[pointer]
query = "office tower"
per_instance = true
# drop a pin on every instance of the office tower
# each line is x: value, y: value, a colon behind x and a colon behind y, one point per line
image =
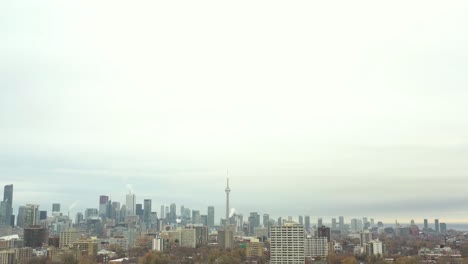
x: 187, y: 213
x: 35, y: 236
x: 162, y: 213
x: 426, y: 224
x: 333, y: 223
x: 211, y: 215
x: 301, y: 220
x: 166, y: 212
x: 287, y: 244
x: 204, y: 220
x: 147, y: 211
x: 8, y: 203
x: 139, y: 210
x: 324, y: 231
x: 251, y: 228
x: 20, y: 218
x: 290, y: 218
x: 307, y: 223
x: 319, y: 222
x: 79, y: 218
x: 42, y: 215
x: 31, y: 215
x: 55, y: 208
x: 356, y: 225
x: 103, y: 200
x: 366, y: 223
x: 266, y: 220
x: 173, y: 213
x: 437, y: 227
x: 3, y: 213
x: 227, y: 190
x: 255, y: 219
x: 443, y: 227
x: 196, y: 218
x: 130, y: 203
x: 115, y: 211
x: 91, y: 212
x: 341, y: 222
x: 182, y: 209
x: 280, y: 221
x: 108, y: 209
x: 123, y: 213
x: 372, y: 222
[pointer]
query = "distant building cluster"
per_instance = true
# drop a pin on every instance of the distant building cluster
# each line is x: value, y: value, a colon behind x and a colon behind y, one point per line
x: 112, y: 227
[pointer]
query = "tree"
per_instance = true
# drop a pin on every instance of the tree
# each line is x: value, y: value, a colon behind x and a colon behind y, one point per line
x: 68, y: 258
x: 38, y: 260
x: 154, y: 258
x: 349, y: 260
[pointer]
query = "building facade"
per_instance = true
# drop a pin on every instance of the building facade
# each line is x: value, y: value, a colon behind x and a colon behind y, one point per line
x: 287, y: 244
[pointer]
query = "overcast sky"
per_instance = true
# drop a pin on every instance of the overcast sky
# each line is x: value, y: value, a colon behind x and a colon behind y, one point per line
x: 326, y: 108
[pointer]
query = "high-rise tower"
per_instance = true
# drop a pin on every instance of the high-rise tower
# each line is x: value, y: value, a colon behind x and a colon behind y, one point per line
x: 8, y: 201
x: 227, y: 201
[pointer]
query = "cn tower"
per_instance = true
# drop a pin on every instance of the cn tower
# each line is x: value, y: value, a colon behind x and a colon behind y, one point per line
x: 227, y: 201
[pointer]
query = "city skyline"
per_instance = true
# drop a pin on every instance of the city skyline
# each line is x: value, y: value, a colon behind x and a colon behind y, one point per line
x: 297, y: 217
x: 338, y: 108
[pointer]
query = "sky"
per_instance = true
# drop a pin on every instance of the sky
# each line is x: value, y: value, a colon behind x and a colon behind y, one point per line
x: 320, y: 108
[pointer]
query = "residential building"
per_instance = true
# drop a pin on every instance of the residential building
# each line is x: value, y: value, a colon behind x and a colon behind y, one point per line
x: 287, y: 244
x: 315, y: 247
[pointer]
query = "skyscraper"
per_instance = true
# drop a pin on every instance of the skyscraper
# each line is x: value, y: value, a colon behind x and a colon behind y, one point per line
x: 443, y: 227
x: 211, y: 215
x: 301, y: 220
x: 147, y: 211
x: 8, y: 201
x: 266, y: 220
x: 437, y: 227
x: 79, y: 218
x: 130, y: 204
x: 20, y: 218
x: 319, y: 222
x: 31, y: 215
x: 356, y: 225
x: 307, y: 223
x: 162, y: 213
x: 426, y: 224
x: 341, y: 222
x: 103, y: 199
x: 55, y: 208
x: 333, y: 223
x: 196, y: 218
x: 173, y: 213
x: 227, y: 190
x: 139, y: 210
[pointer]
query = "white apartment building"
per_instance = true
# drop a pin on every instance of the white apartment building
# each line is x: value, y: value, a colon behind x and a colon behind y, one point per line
x: 287, y: 244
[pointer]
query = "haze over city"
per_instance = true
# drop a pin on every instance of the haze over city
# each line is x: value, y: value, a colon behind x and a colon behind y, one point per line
x: 355, y: 108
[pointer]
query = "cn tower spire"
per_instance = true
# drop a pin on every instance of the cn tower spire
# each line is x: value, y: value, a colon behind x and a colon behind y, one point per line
x: 227, y: 190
